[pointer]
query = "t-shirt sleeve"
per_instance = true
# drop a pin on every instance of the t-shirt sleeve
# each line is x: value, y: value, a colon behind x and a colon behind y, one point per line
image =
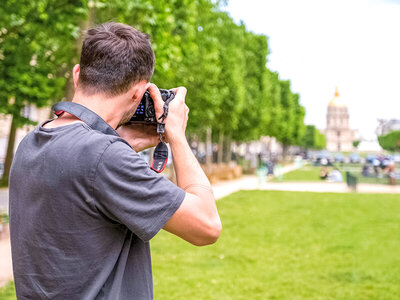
x: 129, y: 192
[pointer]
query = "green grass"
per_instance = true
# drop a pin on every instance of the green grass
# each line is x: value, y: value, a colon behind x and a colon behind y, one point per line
x: 7, y: 292
x: 311, y: 173
x: 288, y: 245
x: 307, y: 173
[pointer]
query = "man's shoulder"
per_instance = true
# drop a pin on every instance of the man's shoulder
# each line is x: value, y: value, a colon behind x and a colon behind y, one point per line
x: 75, y: 143
x: 93, y: 143
x: 80, y: 135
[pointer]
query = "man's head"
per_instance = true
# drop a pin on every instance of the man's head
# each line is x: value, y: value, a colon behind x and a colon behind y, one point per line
x: 114, y: 57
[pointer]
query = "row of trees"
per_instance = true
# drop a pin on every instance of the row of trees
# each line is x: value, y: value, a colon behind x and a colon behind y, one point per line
x: 232, y: 95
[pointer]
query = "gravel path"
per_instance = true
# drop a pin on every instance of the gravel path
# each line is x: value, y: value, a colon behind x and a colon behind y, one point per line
x: 4, y: 200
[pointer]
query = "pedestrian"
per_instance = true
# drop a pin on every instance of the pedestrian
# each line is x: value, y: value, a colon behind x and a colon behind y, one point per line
x: 336, y: 176
x: 391, y: 173
x: 324, y: 173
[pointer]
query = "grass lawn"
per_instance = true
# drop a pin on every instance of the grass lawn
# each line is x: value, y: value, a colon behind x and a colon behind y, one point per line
x: 288, y: 245
x: 311, y: 173
x: 307, y: 173
x: 7, y: 292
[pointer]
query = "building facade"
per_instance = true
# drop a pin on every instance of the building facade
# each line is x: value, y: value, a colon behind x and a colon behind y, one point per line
x: 339, y: 136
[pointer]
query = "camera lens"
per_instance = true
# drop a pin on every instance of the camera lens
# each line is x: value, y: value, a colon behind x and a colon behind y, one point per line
x: 150, y: 111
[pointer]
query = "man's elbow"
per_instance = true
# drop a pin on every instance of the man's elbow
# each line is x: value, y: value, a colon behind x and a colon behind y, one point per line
x: 210, y: 235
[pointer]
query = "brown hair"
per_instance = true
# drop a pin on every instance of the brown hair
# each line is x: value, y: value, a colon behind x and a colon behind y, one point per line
x: 114, y: 56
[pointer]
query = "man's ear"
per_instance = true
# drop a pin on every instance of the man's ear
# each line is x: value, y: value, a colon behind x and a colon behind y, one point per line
x: 139, y: 90
x: 75, y: 75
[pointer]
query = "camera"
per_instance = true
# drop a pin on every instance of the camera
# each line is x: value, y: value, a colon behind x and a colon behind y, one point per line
x: 145, y: 112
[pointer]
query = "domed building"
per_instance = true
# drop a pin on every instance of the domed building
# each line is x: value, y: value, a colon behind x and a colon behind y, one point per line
x: 339, y: 137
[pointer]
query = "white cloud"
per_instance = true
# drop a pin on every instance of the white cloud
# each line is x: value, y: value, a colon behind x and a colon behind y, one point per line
x: 320, y: 44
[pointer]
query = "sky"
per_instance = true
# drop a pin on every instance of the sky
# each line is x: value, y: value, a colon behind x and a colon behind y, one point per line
x: 321, y: 44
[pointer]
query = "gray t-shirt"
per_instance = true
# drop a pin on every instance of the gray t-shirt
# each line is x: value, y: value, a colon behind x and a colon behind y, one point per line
x: 83, y: 207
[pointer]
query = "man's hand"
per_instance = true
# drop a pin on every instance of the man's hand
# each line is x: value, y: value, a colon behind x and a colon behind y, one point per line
x: 143, y: 136
x: 176, y: 121
x: 196, y: 220
x: 139, y: 136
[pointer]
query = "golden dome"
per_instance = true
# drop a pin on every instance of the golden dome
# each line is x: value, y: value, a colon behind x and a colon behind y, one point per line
x: 337, y: 101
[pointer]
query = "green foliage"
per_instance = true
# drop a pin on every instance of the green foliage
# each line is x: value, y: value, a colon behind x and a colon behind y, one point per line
x: 313, y: 138
x: 390, y: 141
x: 274, y: 110
x: 255, y: 50
x: 288, y: 245
x: 222, y: 65
x: 4, y: 219
x: 230, y: 81
x: 291, y: 129
x: 36, y: 39
x: 356, y: 143
x: 197, y: 45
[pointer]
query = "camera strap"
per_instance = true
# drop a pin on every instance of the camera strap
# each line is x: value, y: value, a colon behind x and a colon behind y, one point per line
x: 84, y: 114
x: 160, y: 156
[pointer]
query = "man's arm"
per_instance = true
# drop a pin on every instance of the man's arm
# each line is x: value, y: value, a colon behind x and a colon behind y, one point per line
x: 139, y: 136
x: 196, y: 220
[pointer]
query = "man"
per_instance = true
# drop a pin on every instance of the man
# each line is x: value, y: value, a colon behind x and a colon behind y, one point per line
x: 83, y: 204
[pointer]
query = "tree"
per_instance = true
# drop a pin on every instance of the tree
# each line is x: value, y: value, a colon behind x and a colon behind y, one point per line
x: 273, y: 110
x: 256, y: 104
x: 313, y: 139
x: 390, y: 141
x: 232, y: 95
x: 36, y: 39
x: 356, y: 143
x: 291, y: 127
x: 230, y: 83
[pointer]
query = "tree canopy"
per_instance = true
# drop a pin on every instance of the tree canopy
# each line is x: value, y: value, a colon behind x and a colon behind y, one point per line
x: 196, y: 43
x: 390, y: 141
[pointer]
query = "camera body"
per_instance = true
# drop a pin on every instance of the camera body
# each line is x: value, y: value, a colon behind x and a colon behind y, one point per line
x: 145, y: 112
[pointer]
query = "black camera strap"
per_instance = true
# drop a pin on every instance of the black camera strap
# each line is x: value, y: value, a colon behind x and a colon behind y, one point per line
x: 84, y: 114
x: 160, y: 156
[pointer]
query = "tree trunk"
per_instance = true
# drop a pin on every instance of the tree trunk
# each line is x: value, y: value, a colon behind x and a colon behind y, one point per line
x: 10, y: 151
x: 285, y: 149
x: 220, y: 147
x: 269, y: 149
x: 196, y: 145
x: 228, y: 148
x: 209, y: 152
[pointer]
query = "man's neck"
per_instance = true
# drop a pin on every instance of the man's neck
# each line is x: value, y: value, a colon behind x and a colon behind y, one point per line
x: 113, y: 110
x: 109, y: 109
